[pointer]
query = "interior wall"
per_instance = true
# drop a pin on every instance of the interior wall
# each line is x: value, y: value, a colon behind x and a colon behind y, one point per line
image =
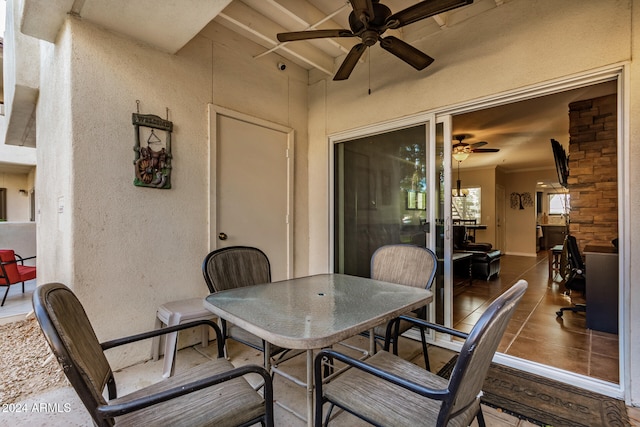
x: 125, y: 250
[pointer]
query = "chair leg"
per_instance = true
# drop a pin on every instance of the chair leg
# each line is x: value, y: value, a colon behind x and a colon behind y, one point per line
x: 5, y: 296
x: 425, y: 353
x: 204, y: 336
x: 155, y: 342
x: 23, y: 287
x: 326, y: 420
x: 170, y: 345
x: 480, y: 418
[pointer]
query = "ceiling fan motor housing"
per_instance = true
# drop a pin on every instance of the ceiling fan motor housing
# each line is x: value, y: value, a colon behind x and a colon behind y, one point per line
x: 360, y: 20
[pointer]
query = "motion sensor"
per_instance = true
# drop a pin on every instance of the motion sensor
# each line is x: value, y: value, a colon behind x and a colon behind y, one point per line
x: 282, y: 66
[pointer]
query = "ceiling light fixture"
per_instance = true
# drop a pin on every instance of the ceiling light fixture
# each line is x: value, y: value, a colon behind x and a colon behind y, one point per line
x: 458, y: 192
x: 460, y: 154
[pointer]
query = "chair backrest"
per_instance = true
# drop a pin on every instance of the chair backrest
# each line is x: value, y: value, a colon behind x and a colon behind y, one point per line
x: 72, y: 339
x: 574, y: 257
x: 459, y: 237
x: 404, y: 264
x: 9, y: 271
x: 471, y: 368
x: 235, y: 267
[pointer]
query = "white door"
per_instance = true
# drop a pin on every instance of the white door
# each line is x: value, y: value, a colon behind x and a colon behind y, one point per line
x: 251, y: 182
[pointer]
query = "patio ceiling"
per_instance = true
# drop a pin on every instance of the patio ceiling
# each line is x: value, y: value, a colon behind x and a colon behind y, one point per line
x: 175, y: 23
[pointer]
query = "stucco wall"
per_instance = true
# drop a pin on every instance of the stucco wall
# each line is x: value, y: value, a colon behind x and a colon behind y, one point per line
x: 124, y: 249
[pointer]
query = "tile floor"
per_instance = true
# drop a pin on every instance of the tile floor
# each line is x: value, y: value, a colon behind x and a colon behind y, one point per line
x: 535, y: 324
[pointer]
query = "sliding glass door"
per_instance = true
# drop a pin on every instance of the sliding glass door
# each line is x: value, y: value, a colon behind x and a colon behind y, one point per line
x: 381, y: 195
x: 394, y: 187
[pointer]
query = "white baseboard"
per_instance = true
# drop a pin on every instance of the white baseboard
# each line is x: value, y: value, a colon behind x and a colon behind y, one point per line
x: 521, y: 254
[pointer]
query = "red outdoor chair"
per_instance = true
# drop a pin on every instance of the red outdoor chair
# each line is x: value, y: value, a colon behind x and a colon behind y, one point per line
x: 13, y: 270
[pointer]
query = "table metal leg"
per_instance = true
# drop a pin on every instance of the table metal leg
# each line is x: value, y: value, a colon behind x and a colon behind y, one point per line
x: 372, y: 342
x: 310, y: 388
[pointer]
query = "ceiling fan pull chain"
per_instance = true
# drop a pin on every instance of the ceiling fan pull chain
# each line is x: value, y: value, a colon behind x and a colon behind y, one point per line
x: 369, y: 60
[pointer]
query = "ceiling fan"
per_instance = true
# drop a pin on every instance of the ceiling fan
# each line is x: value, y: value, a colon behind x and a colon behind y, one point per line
x: 369, y: 20
x: 461, y: 150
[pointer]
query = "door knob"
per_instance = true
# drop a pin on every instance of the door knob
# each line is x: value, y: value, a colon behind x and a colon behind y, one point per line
x: 222, y: 236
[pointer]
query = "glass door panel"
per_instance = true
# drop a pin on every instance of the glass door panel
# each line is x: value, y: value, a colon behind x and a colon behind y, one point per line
x: 381, y: 195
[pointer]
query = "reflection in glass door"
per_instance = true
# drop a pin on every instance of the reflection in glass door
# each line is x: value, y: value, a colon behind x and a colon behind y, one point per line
x: 381, y: 195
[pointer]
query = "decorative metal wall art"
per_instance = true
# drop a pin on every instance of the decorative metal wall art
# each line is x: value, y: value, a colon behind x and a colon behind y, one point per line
x: 520, y: 200
x: 152, y: 150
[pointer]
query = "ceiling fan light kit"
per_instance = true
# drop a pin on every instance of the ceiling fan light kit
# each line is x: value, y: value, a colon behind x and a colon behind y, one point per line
x: 461, y: 150
x: 368, y: 20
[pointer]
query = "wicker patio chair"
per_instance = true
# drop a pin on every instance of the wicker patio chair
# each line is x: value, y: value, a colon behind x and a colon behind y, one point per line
x: 211, y: 394
x: 389, y: 391
x: 235, y: 267
x: 406, y: 265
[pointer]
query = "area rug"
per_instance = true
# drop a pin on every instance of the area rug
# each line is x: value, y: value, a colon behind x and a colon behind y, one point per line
x: 546, y: 402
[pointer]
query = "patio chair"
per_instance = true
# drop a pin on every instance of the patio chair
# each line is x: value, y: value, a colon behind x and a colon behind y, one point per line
x: 176, y: 313
x: 235, y: 267
x: 389, y: 391
x: 574, y: 275
x: 406, y: 265
x: 212, y: 393
x: 13, y: 270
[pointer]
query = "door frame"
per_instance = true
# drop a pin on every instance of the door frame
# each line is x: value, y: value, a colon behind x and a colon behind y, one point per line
x: 213, y: 112
x: 618, y: 72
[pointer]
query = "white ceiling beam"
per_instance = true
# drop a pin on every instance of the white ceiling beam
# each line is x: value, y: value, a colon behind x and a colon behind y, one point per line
x: 257, y: 28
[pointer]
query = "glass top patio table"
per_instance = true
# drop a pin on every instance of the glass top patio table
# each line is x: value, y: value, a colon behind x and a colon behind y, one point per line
x: 315, y: 311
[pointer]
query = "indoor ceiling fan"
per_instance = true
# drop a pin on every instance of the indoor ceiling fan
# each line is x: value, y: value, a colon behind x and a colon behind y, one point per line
x: 369, y: 20
x: 461, y: 150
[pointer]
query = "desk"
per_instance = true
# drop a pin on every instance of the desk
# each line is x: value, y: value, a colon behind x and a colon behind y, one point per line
x: 601, y: 265
x: 315, y: 312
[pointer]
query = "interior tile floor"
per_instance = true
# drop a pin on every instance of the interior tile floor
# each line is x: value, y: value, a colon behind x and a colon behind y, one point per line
x: 535, y: 324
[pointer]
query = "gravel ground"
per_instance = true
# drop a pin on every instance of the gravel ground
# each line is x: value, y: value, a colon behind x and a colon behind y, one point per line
x: 27, y: 365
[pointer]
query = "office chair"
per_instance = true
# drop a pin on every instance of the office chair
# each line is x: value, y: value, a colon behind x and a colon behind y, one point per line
x: 575, y: 276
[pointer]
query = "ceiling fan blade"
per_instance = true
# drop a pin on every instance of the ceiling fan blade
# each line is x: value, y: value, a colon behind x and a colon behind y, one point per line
x: 423, y: 10
x: 478, y: 144
x: 360, y: 6
x: 406, y: 52
x: 485, y: 150
x: 314, y: 34
x: 350, y: 62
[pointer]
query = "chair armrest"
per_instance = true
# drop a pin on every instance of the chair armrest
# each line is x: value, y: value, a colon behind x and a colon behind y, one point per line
x: 157, y: 332
x: 18, y: 259
x: 422, y: 324
x: 436, y: 394
x: 109, y: 411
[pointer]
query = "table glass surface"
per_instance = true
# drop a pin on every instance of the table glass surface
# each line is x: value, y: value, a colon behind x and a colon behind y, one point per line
x: 315, y: 311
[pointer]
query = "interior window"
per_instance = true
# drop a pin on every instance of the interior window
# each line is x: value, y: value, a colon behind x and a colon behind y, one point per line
x: 559, y: 204
x: 466, y: 206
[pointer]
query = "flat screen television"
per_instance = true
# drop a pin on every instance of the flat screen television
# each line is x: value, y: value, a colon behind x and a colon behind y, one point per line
x: 562, y: 163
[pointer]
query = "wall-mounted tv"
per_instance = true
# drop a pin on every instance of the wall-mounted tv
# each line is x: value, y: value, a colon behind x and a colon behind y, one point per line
x: 562, y: 163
